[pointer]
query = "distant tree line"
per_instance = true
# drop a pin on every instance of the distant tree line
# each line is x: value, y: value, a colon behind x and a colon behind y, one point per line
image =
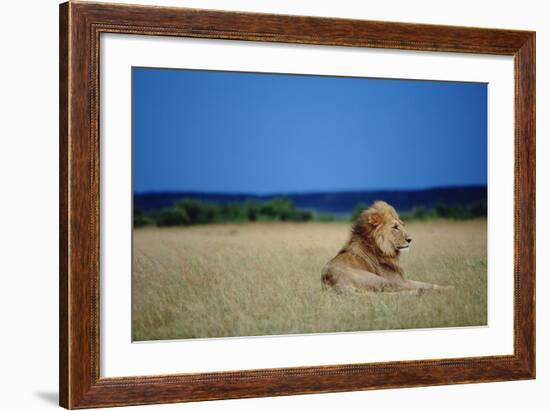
x: 189, y: 211
x: 451, y: 212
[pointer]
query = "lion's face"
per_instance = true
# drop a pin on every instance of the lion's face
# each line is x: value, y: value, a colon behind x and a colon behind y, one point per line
x: 393, y: 232
x: 382, y: 224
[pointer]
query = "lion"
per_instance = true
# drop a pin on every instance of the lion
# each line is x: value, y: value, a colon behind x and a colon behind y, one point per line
x: 369, y: 261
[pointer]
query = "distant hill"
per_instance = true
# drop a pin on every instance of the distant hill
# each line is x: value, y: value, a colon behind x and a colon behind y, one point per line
x: 340, y: 203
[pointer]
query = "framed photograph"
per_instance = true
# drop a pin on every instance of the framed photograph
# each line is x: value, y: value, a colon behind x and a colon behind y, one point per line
x: 258, y: 205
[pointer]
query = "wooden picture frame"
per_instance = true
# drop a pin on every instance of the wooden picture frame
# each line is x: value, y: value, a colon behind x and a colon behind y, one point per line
x: 80, y: 27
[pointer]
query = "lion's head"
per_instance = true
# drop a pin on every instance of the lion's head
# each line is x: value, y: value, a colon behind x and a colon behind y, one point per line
x: 380, y: 225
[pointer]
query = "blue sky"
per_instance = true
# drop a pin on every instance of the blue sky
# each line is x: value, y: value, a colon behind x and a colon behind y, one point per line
x: 255, y: 133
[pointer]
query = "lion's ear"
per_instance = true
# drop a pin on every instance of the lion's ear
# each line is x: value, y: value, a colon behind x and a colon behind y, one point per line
x: 375, y: 218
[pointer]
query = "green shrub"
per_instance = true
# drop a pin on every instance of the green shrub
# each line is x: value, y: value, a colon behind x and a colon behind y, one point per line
x: 233, y: 212
x: 171, y: 217
x: 198, y: 212
x: 278, y: 209
x: 421, y: 213
x: 479, y: 209
x: 461, y: 212
x: 300, y: 215
x: 141, y: 219
x: 252, y: 210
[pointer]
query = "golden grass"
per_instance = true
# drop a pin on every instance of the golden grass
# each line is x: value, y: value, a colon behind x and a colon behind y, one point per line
x: 264, y: 279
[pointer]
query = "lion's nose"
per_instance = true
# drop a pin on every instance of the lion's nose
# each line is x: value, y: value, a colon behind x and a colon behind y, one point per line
x: 409, y: 239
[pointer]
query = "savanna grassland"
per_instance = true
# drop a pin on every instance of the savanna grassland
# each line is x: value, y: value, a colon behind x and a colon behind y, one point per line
x: 225, y: 280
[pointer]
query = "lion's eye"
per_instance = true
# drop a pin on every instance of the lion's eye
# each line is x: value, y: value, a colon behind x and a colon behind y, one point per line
x: 396, y: 227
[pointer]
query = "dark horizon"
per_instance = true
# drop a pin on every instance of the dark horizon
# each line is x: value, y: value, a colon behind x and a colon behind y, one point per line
x: 312, y: 192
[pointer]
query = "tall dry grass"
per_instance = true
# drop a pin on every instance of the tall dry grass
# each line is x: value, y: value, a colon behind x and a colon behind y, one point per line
x: 260, y: 279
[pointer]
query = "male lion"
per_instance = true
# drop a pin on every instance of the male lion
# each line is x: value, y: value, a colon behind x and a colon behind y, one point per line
x: 369, y: 262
